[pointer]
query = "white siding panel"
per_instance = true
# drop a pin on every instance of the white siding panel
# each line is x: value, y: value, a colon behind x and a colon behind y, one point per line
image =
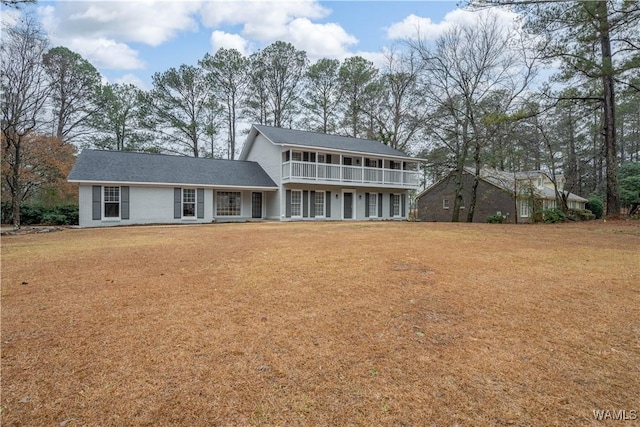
x: 267, y: 155
x: 147, y: 205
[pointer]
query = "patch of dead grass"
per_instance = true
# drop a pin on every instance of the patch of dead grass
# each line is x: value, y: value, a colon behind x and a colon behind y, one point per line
x: 321, y: 324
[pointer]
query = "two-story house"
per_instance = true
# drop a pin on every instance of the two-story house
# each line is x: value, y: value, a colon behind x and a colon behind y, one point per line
x: 331, y: 177
x: 282, y: 174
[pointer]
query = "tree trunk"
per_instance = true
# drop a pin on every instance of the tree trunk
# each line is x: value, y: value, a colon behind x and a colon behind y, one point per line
x: 476, y: 179
x: 613, y: 198
x: 16, y: 187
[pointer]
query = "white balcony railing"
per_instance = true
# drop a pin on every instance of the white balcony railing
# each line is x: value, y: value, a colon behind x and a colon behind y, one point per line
x: 296, y: 170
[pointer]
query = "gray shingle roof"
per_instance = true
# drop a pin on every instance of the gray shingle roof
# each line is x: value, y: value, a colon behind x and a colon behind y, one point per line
x: 118, y: 166
x: 283, y: 136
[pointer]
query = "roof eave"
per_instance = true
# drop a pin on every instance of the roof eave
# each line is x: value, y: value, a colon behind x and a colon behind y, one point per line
x: 173, y: 184
x: 338, y: 150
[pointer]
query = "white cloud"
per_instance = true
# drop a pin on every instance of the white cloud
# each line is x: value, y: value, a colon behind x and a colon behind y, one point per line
x: 414, y: 26
x: 100, y: 31
x: 262, y: 20
x: 220, y: 39
x: 144, y: 21
x: 106, y: 53
x: 265, y: 22
x: 320, y: 40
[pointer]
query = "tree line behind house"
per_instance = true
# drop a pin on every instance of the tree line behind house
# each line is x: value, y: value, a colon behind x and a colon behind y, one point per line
x: 476, y: 96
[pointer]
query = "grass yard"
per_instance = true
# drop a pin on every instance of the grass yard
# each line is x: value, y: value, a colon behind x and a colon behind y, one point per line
x: 322, y: 324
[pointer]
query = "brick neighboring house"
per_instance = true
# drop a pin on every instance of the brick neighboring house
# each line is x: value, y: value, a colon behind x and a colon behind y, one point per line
x: 514, y: 196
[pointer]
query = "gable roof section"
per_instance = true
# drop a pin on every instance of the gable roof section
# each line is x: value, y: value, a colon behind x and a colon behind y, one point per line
x: 468, y: 171
x: 504, y: 181
x: 306, y: 139
x: 143, y: 168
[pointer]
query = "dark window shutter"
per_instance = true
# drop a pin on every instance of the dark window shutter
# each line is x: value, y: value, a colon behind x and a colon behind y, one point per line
x: 391, y: 205
x: 327, y: 202
x: 97, y: 202
x: 288, y: 204
x: 380, y: 205
x: 366, y: 205
x: 124, y: 202
x: 305, y: 204
x: 403, y: 201
x: 312, y: 204
x: 177, y: 202
x: 200, y: 200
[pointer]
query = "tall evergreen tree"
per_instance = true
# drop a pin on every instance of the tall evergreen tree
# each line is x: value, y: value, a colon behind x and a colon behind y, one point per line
x: 322, y: 96
x: 75, y: 85
x: 176, y: 110
x: 278, y: 71
x: 594, y: 41
x: 227, y: 74
x: 357, y: 77
x: 116, y: 124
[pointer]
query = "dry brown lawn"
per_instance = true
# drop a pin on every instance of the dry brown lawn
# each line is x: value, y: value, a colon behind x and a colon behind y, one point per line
x: 322, y: 324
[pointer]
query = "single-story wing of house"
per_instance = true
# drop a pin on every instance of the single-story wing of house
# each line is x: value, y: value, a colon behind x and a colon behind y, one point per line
x: 282, y: 174
x: 514, y: 196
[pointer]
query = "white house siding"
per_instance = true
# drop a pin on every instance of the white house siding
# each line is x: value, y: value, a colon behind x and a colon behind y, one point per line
x: 155, y: 205
x: 272, y: 200
x: 268, y: 156
x: 337, y: 208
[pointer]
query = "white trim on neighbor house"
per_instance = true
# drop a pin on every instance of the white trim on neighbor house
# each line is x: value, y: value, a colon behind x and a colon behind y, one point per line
x: 523, y: 208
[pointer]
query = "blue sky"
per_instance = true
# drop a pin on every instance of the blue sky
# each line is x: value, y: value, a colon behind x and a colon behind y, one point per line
x: 129, y: 41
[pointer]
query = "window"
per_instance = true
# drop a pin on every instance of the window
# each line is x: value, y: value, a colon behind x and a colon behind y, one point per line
x: 445, y: 203
x: 319, y: 203
x: 296, y: 156
x: 228, y: 203
x: 296, y: 203
x: 321, y: 158
x: 396, y: 205
x: 371, y: 163
x: 524, y: 208
x: 188, y: 202
x: 112, y: 202
x: 373, y: 205
x: 549, y: 204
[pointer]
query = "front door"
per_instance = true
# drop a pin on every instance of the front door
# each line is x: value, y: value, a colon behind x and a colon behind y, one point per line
x: 256, y: 205
x: 347, y: 200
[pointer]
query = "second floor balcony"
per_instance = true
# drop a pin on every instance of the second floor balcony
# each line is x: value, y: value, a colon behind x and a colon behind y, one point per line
x: 301, y: 171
